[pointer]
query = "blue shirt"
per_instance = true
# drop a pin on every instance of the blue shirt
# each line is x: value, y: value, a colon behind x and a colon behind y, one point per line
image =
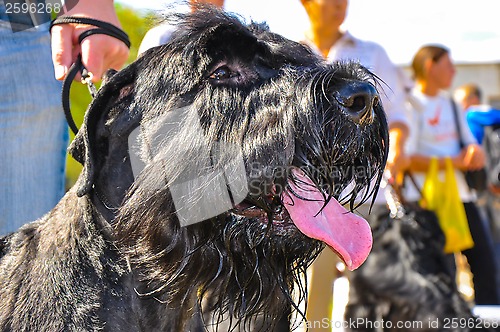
x: 481, y: 116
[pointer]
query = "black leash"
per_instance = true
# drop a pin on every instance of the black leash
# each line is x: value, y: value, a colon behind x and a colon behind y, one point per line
x: 103, y: 28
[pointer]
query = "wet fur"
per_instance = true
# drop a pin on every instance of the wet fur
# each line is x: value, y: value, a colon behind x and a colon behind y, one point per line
x: 112, y: 256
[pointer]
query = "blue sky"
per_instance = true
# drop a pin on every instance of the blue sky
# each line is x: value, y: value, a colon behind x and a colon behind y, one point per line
x: 471, y: 29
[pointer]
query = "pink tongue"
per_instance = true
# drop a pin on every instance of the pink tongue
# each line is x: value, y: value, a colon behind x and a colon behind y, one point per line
x: 346, y: 233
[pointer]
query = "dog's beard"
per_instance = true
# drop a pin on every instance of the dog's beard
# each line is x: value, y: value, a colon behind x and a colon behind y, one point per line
x: 240, y: 265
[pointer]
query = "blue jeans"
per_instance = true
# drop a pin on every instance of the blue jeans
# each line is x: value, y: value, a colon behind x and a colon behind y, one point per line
x: 33, y: 130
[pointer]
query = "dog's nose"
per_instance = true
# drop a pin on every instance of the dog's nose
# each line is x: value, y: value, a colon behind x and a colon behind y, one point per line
x: 358, y: 99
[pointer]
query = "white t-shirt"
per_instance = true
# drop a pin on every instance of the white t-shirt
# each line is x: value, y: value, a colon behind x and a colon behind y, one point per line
x: 433, y: 132
x: 156, y: 36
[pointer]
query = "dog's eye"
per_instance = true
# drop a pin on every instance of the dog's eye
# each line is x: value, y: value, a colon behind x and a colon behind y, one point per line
x: 222, y: 73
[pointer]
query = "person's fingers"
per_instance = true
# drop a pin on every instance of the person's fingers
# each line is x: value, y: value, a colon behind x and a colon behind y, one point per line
x: 475, y: 157
x: 468, y: 157
x: 101, y: 52
x: 479, y: 161
x: 119, y: 58
x: 482, y: 158
x: 93, y: 52
x: 62, y: 49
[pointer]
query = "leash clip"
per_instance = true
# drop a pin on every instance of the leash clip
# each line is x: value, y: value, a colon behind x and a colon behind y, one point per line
x: 86, y: 79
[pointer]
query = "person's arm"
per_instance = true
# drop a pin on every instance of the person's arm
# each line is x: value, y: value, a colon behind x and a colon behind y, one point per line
x: 393, y: 100
x: 99, y: 52
x: 397, y: 160
x: 471, y: 157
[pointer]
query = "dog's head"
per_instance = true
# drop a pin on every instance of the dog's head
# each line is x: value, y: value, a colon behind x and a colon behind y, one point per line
x: 222, y: 157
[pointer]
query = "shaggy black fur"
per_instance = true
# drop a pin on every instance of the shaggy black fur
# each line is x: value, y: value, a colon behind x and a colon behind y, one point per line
x: 407, y: 279
x: 112, y: 255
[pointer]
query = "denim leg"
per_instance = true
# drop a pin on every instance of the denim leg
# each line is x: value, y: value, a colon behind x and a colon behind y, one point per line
x: 33, y: 131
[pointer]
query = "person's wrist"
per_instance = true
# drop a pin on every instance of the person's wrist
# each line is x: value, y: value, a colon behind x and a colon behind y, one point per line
x: 93, y: 9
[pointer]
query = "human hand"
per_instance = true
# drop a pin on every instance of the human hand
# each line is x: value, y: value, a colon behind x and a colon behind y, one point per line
x: 397, y: 160
x: 397, y: 163
x: 472, y: 157
x: 99, y: 52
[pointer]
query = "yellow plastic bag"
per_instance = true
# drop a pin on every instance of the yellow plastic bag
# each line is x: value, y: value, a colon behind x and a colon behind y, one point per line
x: 443, y: 198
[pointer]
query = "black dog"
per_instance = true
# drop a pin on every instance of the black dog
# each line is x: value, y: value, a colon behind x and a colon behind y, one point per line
x: 125, y: 249
x: 407, y: 282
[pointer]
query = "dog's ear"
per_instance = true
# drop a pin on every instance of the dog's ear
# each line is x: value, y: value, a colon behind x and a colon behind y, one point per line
x: 84, y: 148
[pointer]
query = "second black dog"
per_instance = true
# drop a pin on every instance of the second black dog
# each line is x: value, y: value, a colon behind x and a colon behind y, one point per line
x: 407, y: 284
